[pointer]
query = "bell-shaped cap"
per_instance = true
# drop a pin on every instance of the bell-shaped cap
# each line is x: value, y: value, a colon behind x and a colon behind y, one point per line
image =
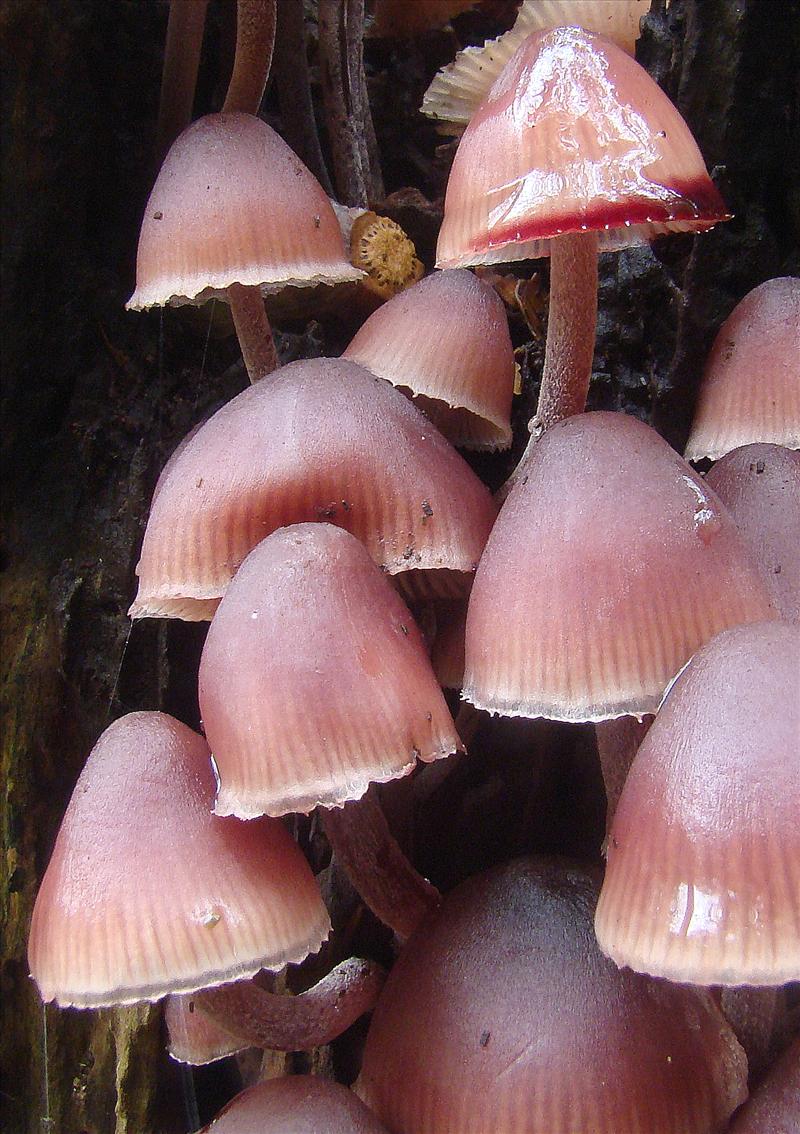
x: 501, y: 1014
x: 299, y: 1104
x: 397, y: 19
x: 750, y: 390
x: 702, y: 883
x: 234, y: 204
x: 760, y: 487
x: 148, y: 892
x: 314, y: 680
x: 322, y: 440
x: 573, y: 136
x: 459, y: 88
x: 446, y: 341
x: 610, y: 563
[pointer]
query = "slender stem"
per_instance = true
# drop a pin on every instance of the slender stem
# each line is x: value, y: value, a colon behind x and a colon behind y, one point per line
x: 255, y: 40
x: 342, y: 62
x: 253, y: 330
x: 377, y: 867
x: 294, y: 91
x: 295, y: 1023
x: 617, y: 743
x: 185, y: 27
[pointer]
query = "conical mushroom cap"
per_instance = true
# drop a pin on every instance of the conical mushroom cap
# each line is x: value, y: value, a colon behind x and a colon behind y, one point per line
x: 233, y: 204
x: 703, y: 877
x: 314, y: 680
x: 501, y: 1014
x: 459, y: 88
x: 760, y: 487
x: 610, y: 563
x: 299, y: 1104
x: 751, y: 384
x: 148, y: 892
x: 446, y: 340
x: 574, y: 135
x: 322, y: 440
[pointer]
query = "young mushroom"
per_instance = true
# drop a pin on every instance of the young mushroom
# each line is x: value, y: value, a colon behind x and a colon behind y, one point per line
x: 299, y: 1104
x: 575, y: 150
x: 446, y: 341
x: 314, y: 683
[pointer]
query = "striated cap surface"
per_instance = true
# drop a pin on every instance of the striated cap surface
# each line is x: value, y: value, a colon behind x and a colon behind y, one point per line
x: 501, y: 1014
x: 234, y: 204
x: 322, y: 440
x: 314, y: 680
x: 446, y: 340
x: 574, y: 135
x: 703, y: 877
x: 147, y: 892
x: 610, y: 563
x: 750, y: 389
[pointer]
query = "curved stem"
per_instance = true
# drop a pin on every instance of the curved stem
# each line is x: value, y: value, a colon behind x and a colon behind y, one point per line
x: 294, y: 91
x: 185, y: 27
x: 387, y: 882
x: 253, y: 331
x: 295, y: 1023
x: 255, y: 40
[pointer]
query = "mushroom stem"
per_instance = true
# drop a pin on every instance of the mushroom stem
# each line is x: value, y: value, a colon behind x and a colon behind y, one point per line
x: 618, y: 741
x: 253, y: 331
x: 341, y: 24
x: 255, y: 39
x: 294, y: 91
x: 381, y: 873
x: 185, y: 27
x: 295, y: 1023
x: 571, y: 326
x: 753, y: 1014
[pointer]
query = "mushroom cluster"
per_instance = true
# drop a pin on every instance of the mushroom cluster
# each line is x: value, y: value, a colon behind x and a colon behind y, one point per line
x: 356, y: 571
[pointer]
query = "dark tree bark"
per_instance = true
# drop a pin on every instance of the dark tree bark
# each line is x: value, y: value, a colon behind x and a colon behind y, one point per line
x: 95, y: 399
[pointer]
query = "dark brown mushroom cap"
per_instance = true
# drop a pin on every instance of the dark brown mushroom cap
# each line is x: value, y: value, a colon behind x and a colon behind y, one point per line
x: 314, y: 679
x: 610, y: 563
x: 501, y: 1014
x: 702, y: 883
x: 147, y: 892
x: 760, y: 487
x: 299, y: 1104
x: 322, y: 440
x: 750, y: 389
x: 573, y: 136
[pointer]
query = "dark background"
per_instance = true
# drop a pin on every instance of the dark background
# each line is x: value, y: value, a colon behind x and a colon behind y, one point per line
x: 94, y: 400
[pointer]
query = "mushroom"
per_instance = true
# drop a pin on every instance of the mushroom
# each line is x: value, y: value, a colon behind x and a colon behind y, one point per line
x: 750, y: 390
x: 774, y: 1107
x: 445, y: 340
x: 324, y: 440
x: 702, y: 883
x: 298, y: 1104
x: 610, y: 563
x: 575, y: 150
x: 501, y: 1014
x: 314, y: 683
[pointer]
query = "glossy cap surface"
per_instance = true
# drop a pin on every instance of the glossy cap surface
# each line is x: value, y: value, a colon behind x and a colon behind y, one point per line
x: 148, y: 892
x: 750, y: 389
x: 446, y: 341
x: 610, y: 563
x: 703, y: 876
x: 501, y: 1014
x: 233, y: 204
x: 314, y: 680
x: 574, y: 135
x: 322, y: 440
